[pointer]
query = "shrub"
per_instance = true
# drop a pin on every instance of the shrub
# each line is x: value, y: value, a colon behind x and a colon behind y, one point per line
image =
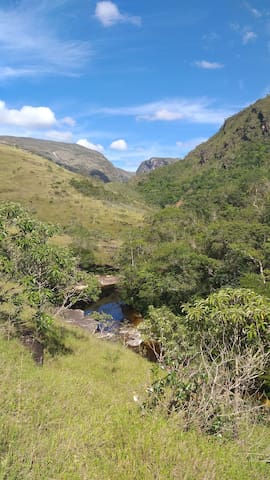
x: 213, y: 359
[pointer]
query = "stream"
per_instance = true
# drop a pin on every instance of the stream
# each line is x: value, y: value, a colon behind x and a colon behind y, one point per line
x: 116, y: 310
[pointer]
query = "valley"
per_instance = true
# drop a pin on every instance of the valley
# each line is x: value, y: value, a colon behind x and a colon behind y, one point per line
x: 188, y: 246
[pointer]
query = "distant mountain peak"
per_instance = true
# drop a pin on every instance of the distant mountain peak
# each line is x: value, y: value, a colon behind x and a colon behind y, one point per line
x: 154, y: 163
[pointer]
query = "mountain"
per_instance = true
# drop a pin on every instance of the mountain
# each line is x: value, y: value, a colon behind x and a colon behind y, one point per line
x: 241, y: 140
x: 153, y: 163
x: 213, y: 229
x: 71, y: 156
x: 249, y: 126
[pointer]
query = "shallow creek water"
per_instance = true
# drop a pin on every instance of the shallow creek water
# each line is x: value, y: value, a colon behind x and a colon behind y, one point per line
x: 118, y: 311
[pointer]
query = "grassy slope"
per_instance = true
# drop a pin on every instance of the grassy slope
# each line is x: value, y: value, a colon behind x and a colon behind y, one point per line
x: 72, y: 156
x: 75, y: 419
x: 45, y: 187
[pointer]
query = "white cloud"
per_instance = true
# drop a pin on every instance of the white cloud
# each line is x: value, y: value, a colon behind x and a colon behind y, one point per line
x: 208, y: 65
x: 69, y: 121
x: 211, y: 37
x: 59, y: 136
x: 235, y: 27
x: 248, y: 36
x: 27, y: 116
x: 92, y: 146
x: 109, y: 14
x: 120, y: 145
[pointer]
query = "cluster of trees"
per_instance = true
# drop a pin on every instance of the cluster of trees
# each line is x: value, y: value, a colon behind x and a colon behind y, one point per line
x: 37, y: 278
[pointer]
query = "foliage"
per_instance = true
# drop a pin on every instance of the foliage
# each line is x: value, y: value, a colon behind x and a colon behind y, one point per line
x: 228, y: 316
x: 216, y: 234
x: 45, y: 274
x: 214, y: 357
x: 171, y: 274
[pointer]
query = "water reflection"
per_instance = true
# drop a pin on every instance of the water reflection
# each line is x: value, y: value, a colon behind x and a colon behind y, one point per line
x: 114, y: 311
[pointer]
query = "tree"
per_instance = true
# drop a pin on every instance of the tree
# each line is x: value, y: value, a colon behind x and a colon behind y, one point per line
x: 47, y: 275
x: 235, y: 318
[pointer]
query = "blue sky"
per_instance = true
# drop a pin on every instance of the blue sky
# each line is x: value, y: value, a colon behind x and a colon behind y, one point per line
x: 133, y: 79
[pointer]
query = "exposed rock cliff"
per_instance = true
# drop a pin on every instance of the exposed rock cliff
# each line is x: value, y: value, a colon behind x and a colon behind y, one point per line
x: 153, y: 163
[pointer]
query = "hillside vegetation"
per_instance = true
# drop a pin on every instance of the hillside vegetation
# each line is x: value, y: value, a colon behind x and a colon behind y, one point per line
x: 214, y: 226
x: 240, y: 144
x: 98, y: 215
x: 204, y: 259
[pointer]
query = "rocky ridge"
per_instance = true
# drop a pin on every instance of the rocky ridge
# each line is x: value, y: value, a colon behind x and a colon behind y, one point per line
x: 72, y: 157
x: 153, y: 163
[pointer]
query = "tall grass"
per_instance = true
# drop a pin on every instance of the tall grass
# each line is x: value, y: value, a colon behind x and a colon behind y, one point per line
x: 76, y: 419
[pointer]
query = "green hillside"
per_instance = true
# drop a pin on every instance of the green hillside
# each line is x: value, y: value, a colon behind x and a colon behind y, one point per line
x: 214, y: 226
x: 242, y: 142
x: 98, y: 214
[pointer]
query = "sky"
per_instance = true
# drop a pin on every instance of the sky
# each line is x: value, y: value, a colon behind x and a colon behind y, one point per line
x: 131, y: 79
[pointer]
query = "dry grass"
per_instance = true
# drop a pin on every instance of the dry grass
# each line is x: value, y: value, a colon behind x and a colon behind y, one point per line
x: 45, y: 188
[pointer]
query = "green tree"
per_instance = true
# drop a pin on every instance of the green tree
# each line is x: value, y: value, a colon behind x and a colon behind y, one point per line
x: 48, y: 275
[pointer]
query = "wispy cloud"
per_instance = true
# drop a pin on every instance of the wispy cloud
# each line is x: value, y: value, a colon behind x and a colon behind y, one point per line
x: 248, y: 36
x: 204, y: 64
x: 194, y: 111
x: 68, y: 121
x: 246, y: 33
x: 109, y: 14
x: 211, y: 37
x: 254, y: 11
x: 9, y: 72
x: 30, y: 46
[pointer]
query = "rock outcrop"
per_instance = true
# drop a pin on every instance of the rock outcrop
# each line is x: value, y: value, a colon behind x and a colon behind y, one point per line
x: 154, y: 163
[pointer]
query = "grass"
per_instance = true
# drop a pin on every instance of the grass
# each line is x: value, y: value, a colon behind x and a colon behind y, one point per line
x: 46, y: 189
x: 75, y: 419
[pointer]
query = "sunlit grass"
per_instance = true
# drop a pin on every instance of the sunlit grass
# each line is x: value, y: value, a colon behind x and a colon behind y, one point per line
x: 45, y: 188
x: 75, y: 418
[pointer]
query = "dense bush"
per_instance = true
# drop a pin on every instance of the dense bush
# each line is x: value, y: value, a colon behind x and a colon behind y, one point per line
x: 214, y: 357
